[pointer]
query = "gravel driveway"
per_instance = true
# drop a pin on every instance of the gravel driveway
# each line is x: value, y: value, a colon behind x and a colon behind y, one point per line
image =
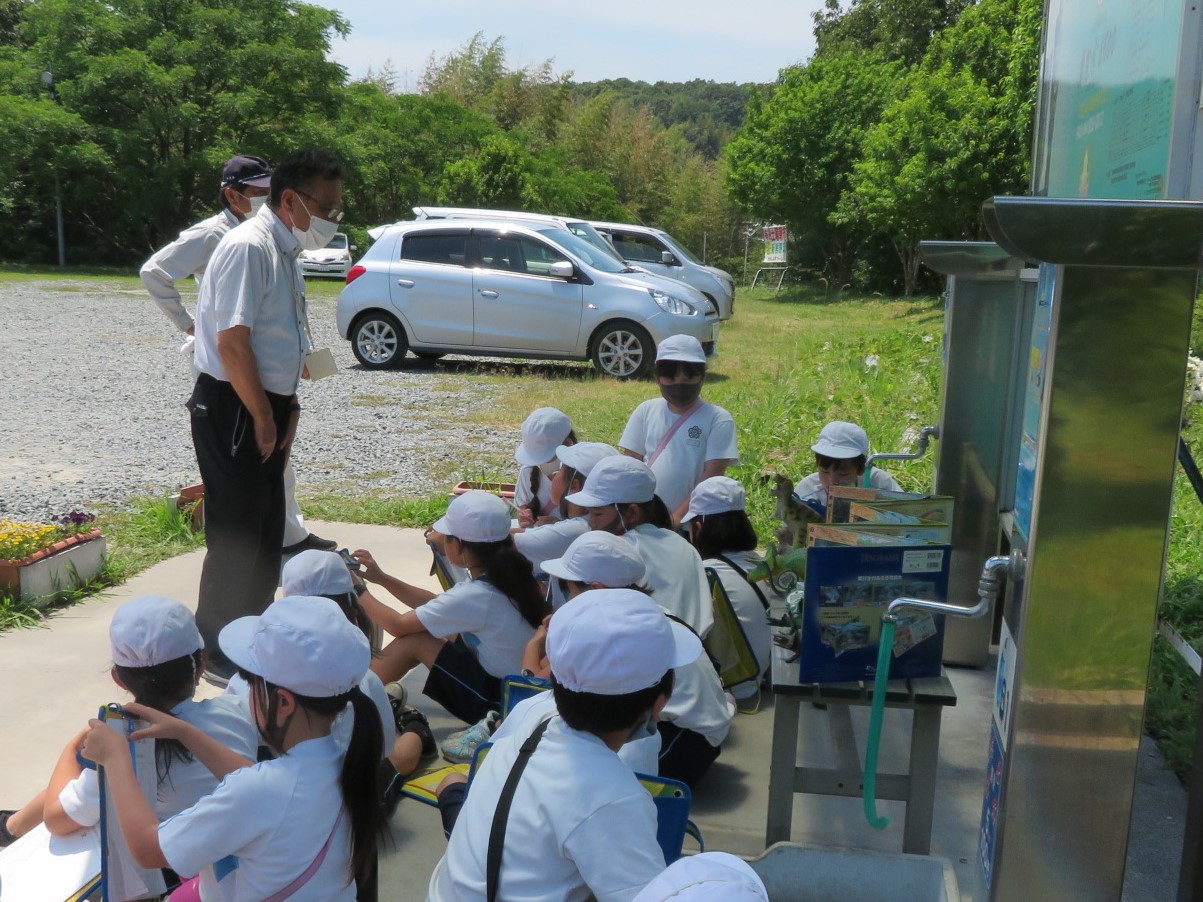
x: 92, y: 392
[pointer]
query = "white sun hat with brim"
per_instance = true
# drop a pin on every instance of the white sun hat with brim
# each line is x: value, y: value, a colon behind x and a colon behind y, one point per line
x: 616, y: 480
x: 716, y: 495
x: 706, y: 877
x: 584, y: 456
x: 542, y: 431
x: 150, y: 630
x: 685, y: 348
x: 475, y: 516
x: 316, y: 572
x: 599, y: 557
x: 841, y: 440
x: 301, y: 643
x: 615, y: 642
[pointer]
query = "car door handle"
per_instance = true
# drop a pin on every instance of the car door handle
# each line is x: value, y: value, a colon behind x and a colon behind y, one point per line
x: 488, y: 293
x: 406, y: 283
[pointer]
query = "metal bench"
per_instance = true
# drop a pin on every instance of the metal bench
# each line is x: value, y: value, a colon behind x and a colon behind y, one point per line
x: 927, y: 698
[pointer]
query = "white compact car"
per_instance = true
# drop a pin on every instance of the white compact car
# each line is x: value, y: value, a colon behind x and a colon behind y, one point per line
x: 332, y: 260
x: 508, y: 289
x: 658, y: 252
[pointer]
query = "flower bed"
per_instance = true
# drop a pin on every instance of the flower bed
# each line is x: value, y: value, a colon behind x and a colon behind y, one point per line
x: 38, y: 561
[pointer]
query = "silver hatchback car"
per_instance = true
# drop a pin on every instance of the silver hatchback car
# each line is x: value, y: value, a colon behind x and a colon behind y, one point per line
x: 498, y: 288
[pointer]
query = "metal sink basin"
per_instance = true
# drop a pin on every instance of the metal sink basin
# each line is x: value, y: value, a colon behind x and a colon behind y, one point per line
x: 794, y: 873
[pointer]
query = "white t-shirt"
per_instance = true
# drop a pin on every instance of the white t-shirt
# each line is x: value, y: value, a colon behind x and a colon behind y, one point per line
x: 224, y: 718
x: 522, y: 493
x: 274, y: 817
x: 253, y: 279
x: 708, y: 435
x: 698, y: 701
x: 580, y: 824
x: 486, y: 619
x: 641, y: 755
x: 675, y: 575
x: 811, y: 489
x: 545, y: 543
x: 748, y: 609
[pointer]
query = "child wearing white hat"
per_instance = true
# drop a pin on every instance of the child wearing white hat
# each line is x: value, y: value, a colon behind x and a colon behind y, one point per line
x: 706, y: 877
x: 841, y: 454
x: 721, y: 532
x: 157, y: 657
x: 578, y: 823
x: 681, y: 437
x: 474, y: 634
x: 620, y: 496
x: 542, y: 432
x: 302, y: 825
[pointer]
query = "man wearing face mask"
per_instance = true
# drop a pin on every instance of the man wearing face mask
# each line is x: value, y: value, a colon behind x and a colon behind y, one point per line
x: 245, y: 183
x: 252, y: 335
x: 681, y: 437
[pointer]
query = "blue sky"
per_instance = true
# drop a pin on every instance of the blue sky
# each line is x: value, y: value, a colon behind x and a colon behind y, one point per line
x: 649, y: 40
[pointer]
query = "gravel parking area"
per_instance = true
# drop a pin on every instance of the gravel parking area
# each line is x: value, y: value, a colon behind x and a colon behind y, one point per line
x: 92, y: 395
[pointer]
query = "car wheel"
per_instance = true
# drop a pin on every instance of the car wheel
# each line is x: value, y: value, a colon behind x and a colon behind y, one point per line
x: 378, y: 341
x: 623, y: 350
x: 429, y: 355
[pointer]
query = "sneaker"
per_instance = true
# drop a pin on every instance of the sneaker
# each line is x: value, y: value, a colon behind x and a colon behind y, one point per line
x: 396, y: 699
x: 311, y: 542
x: 6, y: 838
x: 460, y: 748
x: 411, y: 720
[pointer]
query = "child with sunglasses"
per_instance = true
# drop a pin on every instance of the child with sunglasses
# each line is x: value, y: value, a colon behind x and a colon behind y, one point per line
x: 840, y: 457
x: 682, y: 438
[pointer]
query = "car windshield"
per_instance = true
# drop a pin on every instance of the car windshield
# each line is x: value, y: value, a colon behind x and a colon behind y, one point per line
x: 679, y: 248
x: 606, y: 262
x: 339, y: 241
x: 586, y: 232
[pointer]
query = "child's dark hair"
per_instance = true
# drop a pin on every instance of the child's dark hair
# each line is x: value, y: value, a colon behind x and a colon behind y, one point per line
x: 162, y: 687
x: 654, y: 512
x: 593, y: 713
x: 728, y: 531
x: 536, y: 474
x: 823, y: 462
x: 512, y: 575
x: 360, y: 764
x: 348, y: 603
x: 302, y: 169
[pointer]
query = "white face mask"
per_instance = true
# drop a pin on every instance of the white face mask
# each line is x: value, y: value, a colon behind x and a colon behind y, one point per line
x: 257, y: 204
x: 319, y: 233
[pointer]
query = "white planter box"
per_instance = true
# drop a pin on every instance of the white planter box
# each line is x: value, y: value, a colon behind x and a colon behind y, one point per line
x: 41, y: 580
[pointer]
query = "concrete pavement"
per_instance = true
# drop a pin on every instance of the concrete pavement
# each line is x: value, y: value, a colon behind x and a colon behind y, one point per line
x: 54, y: 678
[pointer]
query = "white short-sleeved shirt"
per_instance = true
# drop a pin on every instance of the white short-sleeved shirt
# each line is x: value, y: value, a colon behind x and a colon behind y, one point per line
x: 709, y: 434
x: 675, y: 575
x: 187, y: 256
x: 698, y: 702
x: 486, y: 619
x: 253, y: 279
x: 749, y: 608
x: 811, y: 489
x: 580, y: 825
x: 223, y: 718
x: 274, y: 818
x: 545, y: 543
x: 523, y: 496
x: 641, y: 755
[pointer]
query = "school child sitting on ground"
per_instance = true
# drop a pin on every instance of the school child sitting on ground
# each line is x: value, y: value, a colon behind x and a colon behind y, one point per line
x: 303, y: 824
x: 577, y: 822
x: 681, y: 437
x: 841, y: 454
x: 620, y: 495
x: 544, y: 430
x: 157, y: 658
x: 407, y: 735
x: 491, y: 616
x: 542, y: 543
x: 721, y: 532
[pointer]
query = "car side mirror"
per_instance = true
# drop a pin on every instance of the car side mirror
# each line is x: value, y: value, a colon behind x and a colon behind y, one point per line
x: 668, y: 258
x: 561, y: 270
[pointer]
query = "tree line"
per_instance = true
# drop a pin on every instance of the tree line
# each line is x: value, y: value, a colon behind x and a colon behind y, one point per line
x: 909, y: 114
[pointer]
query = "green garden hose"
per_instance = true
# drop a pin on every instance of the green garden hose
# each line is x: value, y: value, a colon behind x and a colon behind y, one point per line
x: 869, y: 792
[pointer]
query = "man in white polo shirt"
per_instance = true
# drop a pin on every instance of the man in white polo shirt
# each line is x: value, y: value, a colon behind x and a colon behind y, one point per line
x: 251, y: 339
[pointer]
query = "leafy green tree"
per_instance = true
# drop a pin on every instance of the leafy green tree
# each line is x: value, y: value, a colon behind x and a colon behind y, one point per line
x: 898, y: 29
x: 497, y: 175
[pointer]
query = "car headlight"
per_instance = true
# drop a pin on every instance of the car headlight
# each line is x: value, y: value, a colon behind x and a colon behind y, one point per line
x: 670, y: 304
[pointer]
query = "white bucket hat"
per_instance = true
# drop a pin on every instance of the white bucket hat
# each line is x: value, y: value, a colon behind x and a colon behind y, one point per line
x: 543, y: 430
x: 599, y: 557
x: 616, y: 480
x: 706, y: 877
x: 685, y: 348
x: 841, y: 440
x: 716, y: 495
x: 302, y: 643
x: 584, y: 456
x: 614, y: 642
x: 151, y: 630
x: 475, y: 516
x: 316, y: 572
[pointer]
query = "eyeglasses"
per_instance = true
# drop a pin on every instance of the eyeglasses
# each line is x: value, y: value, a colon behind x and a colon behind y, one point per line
x: 667, y: 369
x: 331, y: 214
x: 850, y: 465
